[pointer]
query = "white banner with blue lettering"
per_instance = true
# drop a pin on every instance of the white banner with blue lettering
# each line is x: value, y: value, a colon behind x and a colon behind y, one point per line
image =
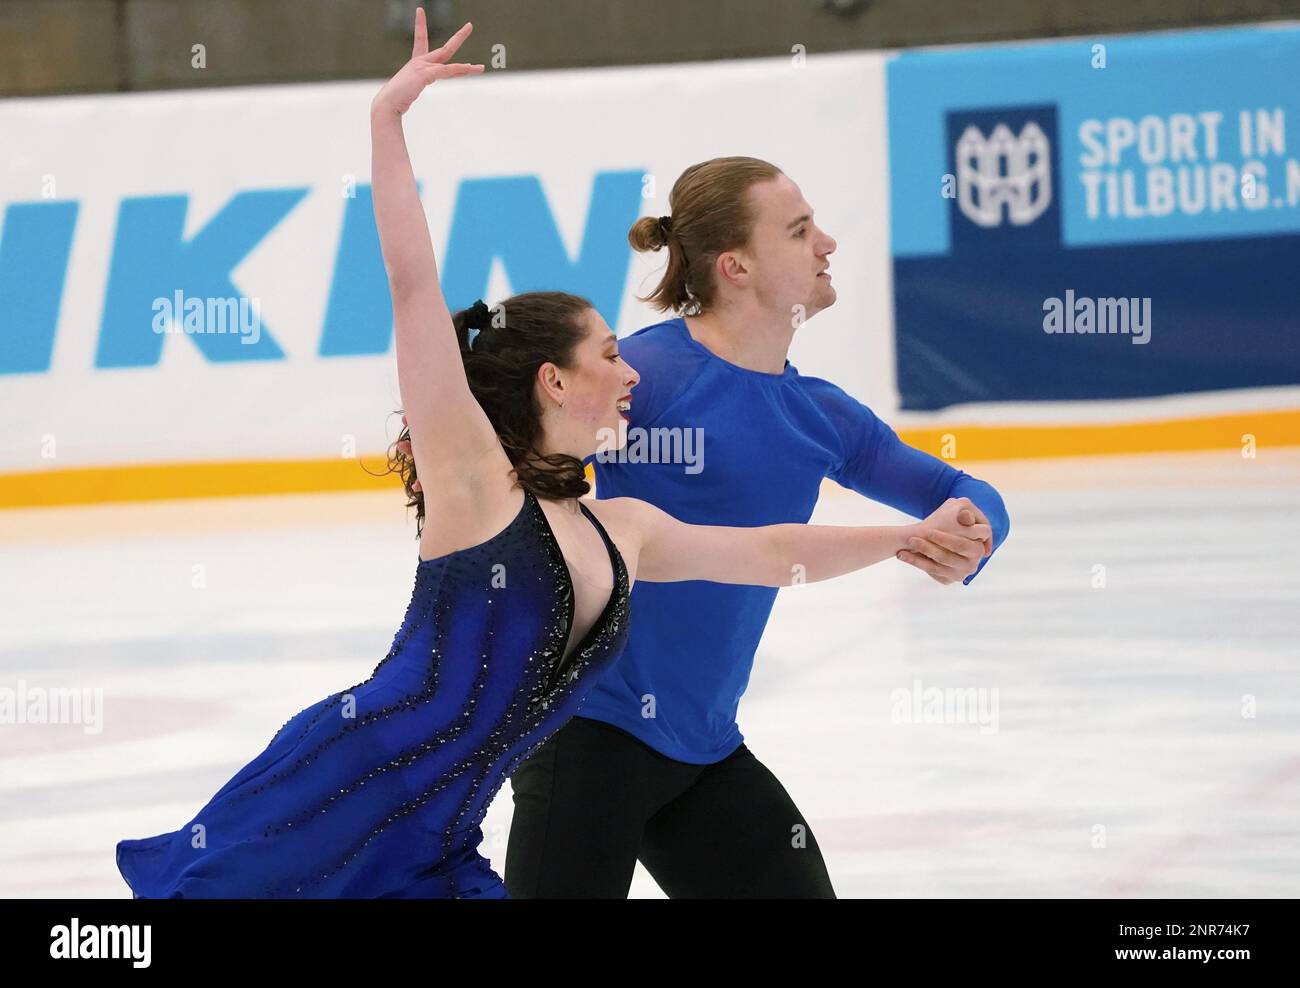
x: 126, y: 221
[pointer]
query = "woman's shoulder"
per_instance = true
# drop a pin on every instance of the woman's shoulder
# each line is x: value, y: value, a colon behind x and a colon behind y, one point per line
x: 624, y: 521
x: 612, y: 509
x: 632, y: 518
x: 623, y: 517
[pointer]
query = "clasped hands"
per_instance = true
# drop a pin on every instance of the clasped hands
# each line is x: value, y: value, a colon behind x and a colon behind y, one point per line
x: 949, y: 544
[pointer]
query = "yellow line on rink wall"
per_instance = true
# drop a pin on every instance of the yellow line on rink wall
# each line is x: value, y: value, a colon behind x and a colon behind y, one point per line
x: 1010, y: 442
x: 959, y: 443
x: 159, y: 481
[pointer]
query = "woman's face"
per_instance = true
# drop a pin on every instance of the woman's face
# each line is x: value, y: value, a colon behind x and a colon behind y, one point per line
x: 592, y: 390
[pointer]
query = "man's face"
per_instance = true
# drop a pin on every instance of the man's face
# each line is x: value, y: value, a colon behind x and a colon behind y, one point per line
x: 788, y: 253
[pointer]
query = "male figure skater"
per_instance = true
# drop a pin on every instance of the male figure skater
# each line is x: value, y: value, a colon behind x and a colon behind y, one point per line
x: 654, y: 766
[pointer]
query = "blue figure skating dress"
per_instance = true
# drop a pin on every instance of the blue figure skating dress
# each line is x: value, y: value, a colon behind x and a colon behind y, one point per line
x: 379, y: 791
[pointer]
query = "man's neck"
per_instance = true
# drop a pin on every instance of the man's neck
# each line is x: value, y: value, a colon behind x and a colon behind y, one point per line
x: 753, y: 340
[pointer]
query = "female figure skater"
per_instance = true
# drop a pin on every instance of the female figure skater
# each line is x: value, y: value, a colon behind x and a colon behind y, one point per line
x: 520, y: 598
x: 654, y: 766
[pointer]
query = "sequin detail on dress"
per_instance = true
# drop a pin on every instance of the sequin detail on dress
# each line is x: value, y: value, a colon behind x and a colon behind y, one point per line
x: 380, y: 790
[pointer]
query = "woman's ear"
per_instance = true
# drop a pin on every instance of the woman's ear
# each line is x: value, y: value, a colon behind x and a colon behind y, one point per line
x: 551, y: 382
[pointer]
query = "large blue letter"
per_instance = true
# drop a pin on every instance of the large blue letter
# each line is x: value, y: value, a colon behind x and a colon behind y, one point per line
x: 33, y: 262
x: 151, y: 261
x: 508, y: 218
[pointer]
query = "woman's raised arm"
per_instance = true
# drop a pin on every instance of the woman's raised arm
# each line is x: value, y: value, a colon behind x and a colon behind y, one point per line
x: 448, y: 428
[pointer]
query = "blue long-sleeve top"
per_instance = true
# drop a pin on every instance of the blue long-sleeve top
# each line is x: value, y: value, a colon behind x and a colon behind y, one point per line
x: 712, y: 443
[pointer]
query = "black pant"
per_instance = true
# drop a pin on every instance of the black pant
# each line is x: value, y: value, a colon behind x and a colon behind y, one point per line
x: 593, y: 799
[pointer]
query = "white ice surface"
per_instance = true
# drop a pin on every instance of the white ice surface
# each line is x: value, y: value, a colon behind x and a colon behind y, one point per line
x: 1147, y: 738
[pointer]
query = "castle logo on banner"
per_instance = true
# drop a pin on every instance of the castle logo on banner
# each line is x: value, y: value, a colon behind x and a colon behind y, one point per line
x: 1003, y: 170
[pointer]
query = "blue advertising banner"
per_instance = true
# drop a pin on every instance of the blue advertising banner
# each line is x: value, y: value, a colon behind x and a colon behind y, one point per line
x: 1115, y: 218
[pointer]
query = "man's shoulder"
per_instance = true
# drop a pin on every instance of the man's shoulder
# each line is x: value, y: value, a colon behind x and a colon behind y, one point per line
x: 662, y: 357
x: 656, y: 335
x: 828, y: 394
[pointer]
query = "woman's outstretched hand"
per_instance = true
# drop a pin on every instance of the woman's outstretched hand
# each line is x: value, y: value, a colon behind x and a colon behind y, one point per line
x: 425, y: 68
